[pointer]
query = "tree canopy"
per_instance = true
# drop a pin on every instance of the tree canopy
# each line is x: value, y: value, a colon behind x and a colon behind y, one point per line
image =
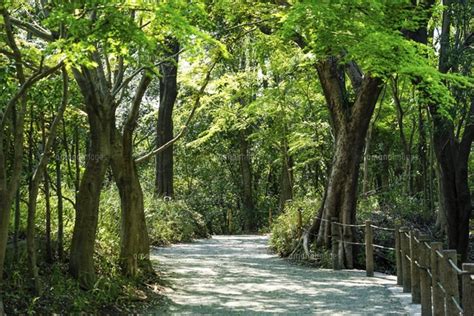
x: 128, y: 124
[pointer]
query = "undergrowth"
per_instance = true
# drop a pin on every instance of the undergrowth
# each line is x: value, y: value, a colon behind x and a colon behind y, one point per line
x: 167, y: 222
x: 383, y: 209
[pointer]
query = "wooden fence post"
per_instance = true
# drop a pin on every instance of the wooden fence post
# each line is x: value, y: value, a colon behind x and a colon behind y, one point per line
x: 398, y: 256
x: 405, y: 246
x: 425, y: 280
x: 450, y: 282
x: 369, y: 249
x: 415, y: 272
x: 438, y: 300
x: 335, y: 244
x: 468, y: 289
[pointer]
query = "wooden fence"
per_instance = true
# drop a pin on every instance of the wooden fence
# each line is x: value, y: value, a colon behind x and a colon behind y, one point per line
x: 424, y: 269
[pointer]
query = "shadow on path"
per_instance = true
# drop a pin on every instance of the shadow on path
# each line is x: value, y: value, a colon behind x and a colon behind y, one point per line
x: 238, y: 275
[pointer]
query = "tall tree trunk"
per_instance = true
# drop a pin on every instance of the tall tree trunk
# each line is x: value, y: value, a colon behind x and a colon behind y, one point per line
x: 350, y: 122
x: 441, y: 220
x: 100, y: 108
x: 168, y: 93
x: 10, y: 171
x: 59, y: 194
x: 365, y: 172
x: 453, y: 157
x: 16, y: 224
x: 406, y: 144
x: 452, y: 153
x: 134, y: 242
x: 38, y: 175
x: 286, y: 177
x: 46, y: 191
x: 422, y: 153
x: 81, y: 262
x: 248, y: 206
x: 77, y: 165
x: 368, y: 141
x: 47, y: 197
x: 107, y: 147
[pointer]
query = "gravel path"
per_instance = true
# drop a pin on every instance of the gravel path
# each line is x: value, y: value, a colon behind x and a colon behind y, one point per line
x: 238, y: 275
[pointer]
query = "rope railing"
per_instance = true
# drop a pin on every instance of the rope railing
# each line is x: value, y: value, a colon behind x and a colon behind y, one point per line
x: 383, y: 228
x: 455, y: 267
x: 384, y: 247
x: 427, y: 246
x: 432, y: 275
x: 440, y: 286
x: 351, y: 242
x: 456, y: 303
x: 349, y: 225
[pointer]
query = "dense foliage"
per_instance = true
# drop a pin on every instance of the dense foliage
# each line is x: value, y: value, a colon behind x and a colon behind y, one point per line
x: 130, y: 124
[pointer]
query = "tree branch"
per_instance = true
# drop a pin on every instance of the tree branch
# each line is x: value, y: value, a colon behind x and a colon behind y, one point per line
x: 131, y: 121
x: 468, y: 135
x: 33, y: 29
x: 355, y: 75
x: 183, y: 131
x: 24, y: 88
x: 7, y: 53
x: 122, y: 84
x: 332, y: 82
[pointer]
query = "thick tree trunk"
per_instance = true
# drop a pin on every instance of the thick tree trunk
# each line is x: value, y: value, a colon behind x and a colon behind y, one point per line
x: 168, y: 93
x: 107, y: 146
x: 248, y: 205
x: 452, y: 153
x: 81, y: 263
x: 100, y: 107
x: 350, y: 122
x: 453, y: 159
x: 342, y: 189
x: 134, y: 241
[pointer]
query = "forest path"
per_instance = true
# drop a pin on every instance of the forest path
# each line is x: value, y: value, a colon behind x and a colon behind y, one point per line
x: 239, y: 275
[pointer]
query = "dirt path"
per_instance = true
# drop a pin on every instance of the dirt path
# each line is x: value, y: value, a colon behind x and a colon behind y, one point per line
x: 238, y: 275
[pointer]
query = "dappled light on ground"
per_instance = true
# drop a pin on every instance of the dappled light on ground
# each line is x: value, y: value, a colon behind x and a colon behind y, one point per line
x: 238, y: 274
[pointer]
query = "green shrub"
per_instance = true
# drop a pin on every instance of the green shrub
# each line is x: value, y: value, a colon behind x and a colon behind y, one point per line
x: 388, y: 209
x: 284, y: 230
x: 173, y: 221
